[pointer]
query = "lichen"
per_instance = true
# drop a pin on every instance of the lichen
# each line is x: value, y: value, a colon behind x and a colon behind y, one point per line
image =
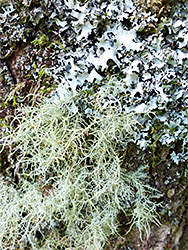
x: 78, y: 45
x: 69, y: 170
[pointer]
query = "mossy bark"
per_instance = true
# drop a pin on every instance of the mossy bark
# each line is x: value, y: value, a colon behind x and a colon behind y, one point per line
x: 169, y: 178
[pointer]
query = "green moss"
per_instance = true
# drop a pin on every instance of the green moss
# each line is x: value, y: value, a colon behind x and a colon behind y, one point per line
x: 42, y: 40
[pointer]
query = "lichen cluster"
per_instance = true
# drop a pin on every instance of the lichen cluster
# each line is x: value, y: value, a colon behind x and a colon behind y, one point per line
x: 70, y: 178
x: 70, y: 172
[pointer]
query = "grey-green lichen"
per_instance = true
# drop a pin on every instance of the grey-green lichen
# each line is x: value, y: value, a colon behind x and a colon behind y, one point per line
x: 146, y: 45
x: 72, y: 180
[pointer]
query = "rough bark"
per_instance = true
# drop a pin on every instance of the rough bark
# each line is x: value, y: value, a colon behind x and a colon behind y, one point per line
x: 17, y: 60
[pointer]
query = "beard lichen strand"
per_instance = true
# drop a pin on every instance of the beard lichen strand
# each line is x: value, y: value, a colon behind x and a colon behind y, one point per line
x: 79, y: 159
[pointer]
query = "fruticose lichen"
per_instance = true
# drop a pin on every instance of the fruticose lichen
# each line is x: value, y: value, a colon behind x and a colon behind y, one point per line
x: 70, y: 173
x: 66, y: 153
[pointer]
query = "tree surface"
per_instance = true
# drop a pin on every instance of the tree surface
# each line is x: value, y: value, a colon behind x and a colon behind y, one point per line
x: 53, y: 49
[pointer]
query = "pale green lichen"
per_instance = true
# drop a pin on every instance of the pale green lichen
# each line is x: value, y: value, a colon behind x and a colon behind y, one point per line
x: 73, y: 183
